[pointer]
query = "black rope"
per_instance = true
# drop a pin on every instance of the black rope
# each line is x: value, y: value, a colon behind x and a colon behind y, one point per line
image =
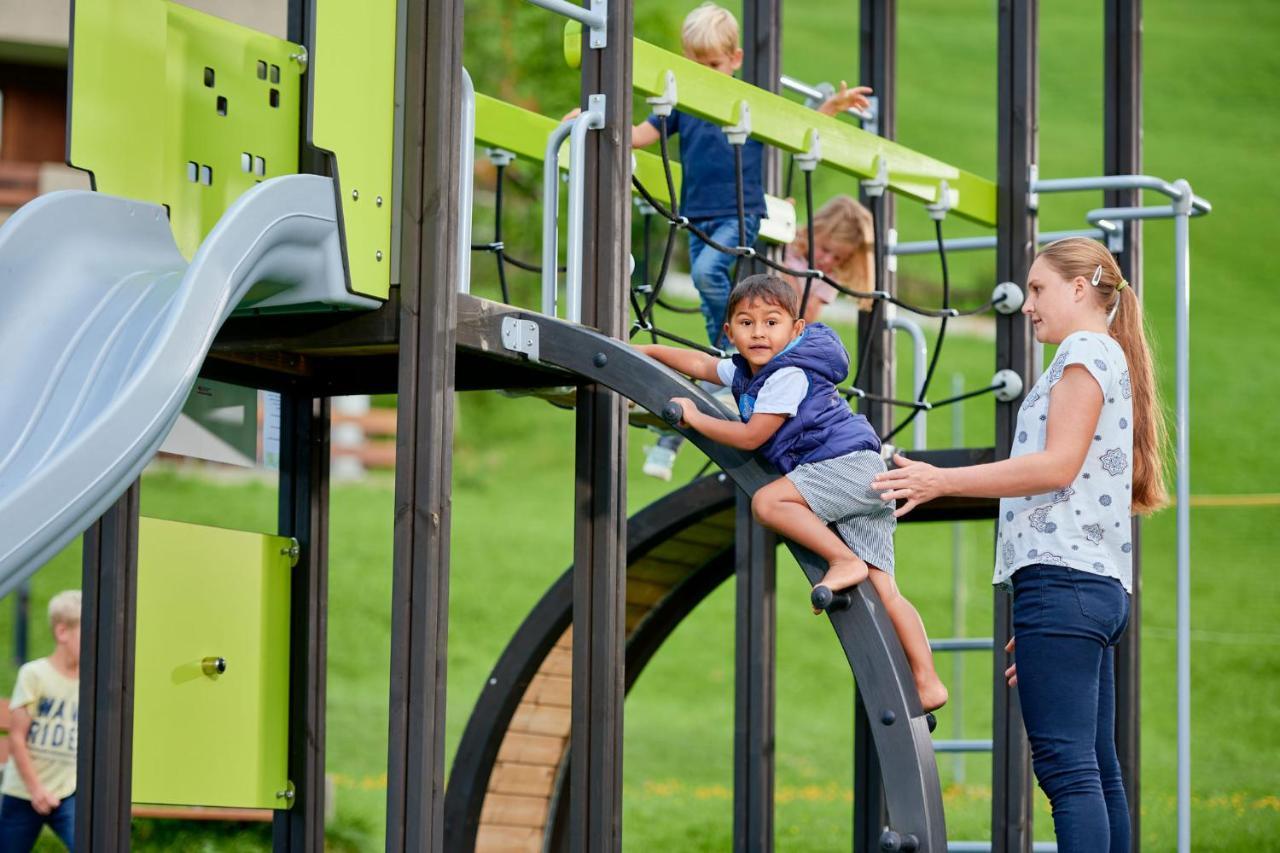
x: 942, y: 334
x: 745, y: 251
x: 812, y: 253
x: 919, y: 405
x: 678, y: 309
x: 497, y: 235
x: 671, y: 336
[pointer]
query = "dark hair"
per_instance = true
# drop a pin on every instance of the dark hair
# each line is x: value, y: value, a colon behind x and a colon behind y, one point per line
x: 768, y: 289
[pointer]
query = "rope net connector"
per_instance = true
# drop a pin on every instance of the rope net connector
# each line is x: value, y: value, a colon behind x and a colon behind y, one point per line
x: 809, y: 159
x: 1007, y: 297
x: 947, y: 199
x: 739, y: 132
x: 875, y: 187
x: 1009, y: 385
x: 666, y: 102
x: 499, y: 156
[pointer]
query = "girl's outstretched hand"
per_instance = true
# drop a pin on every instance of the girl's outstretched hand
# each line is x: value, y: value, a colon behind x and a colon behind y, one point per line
x: 846, y: 98
x: 914, y: 482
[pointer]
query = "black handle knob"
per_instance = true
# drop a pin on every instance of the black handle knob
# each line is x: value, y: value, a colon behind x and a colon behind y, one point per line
x: 672, y: 412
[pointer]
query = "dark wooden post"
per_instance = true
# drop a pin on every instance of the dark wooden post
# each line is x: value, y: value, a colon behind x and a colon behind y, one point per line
x: 1018, y: 149
x: 424, y: 441
x: 108, y: 628
x: 1122, y: 154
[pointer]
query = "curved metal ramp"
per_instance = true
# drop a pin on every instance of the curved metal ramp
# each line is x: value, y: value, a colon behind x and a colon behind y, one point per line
x: 900, y: 732
x: 105, y: 328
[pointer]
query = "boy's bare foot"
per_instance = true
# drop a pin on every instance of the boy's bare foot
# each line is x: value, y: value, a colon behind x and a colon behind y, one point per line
x: 843, y: 574
x: 933, y: 693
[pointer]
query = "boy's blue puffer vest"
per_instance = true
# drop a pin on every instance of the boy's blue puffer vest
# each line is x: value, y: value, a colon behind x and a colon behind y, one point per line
x: 823, y: 427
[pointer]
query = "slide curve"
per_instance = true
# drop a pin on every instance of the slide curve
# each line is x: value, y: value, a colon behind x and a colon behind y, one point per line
x: 105, y: 326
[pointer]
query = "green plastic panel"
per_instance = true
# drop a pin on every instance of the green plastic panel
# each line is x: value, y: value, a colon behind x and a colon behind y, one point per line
x: 353, y: 116
x: 789, y: 125
x: 213, y: 740
x: 176, y: 107
x: 524, y: 133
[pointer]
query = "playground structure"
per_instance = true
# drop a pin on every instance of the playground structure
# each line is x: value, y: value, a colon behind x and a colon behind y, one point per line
x: 338, y: 230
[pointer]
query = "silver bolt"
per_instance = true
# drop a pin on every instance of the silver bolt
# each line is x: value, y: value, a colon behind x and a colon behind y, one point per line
x: 355, y: 195
x: 378, y: 255
x: 378, y: 201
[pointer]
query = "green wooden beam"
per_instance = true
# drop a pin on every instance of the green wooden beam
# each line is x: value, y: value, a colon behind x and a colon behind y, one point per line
x: 524, y: 133
x: 790, y: 126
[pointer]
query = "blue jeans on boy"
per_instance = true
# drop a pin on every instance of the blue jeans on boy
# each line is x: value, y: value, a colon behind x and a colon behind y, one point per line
x: 20, y: 824
x: 1066, y: 623
x: 711, y: 269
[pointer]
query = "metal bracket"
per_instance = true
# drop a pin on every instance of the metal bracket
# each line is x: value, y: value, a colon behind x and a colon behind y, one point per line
x: 809, y: 160
x: 595, y: 111
x: 891, y: 242
x: 289, y: 794
x: 301, y: 57
x: 520, y: 336
x: 1033, y: 197
x: 1010, y: 385
x: 293, y: 550
x: 666, y: 102
x: 499, y: 156
x: 739, y: 132
x: 947, y: 198
x: 599, y: 35
x: 875, y: 187
x: 871, y: 121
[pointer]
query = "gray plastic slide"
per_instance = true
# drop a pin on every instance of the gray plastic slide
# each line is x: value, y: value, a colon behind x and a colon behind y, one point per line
x: 103, y: 329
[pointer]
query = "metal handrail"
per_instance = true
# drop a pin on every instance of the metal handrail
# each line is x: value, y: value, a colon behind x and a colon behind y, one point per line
x: 466, y: 181
x: 919, y: 367
x: 575, y: 129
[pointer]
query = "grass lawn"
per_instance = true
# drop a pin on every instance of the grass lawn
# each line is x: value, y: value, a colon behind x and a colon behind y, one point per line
x: 1206, y: 119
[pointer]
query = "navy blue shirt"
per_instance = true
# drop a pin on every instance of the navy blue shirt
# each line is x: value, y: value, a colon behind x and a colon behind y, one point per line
x: 708, y: 184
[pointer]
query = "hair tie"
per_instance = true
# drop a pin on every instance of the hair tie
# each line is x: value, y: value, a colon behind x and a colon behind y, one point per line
x: 1122, y: 285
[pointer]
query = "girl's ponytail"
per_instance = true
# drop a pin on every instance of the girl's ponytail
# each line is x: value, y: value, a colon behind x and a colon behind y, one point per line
x: 1079, y: 256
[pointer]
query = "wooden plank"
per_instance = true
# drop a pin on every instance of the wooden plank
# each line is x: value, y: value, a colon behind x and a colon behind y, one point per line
x: 156, y: 812
x: 508, y: 839
x: 559, y: 662
x: 515, y: 810
x: 646, y: 592
x: 541, y: 720
x: 526, y: 748
x: 529, y: 780
x: 658, y: 572
x: 635, y: 615
x: 547, y: 689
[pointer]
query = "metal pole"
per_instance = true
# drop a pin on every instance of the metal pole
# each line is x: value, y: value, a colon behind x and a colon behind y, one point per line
x: 21, y: 621
x: 959, y: 600
x: 919, y: 367
x: 466, y: 181
x: 592, y: 119
x: 1182, y: 337
x: 551, y: 215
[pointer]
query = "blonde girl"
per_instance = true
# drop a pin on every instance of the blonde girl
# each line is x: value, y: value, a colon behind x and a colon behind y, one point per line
x: 844, y: 240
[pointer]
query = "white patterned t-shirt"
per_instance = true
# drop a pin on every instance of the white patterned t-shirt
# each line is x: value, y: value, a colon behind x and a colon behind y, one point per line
x: 1085, y: 526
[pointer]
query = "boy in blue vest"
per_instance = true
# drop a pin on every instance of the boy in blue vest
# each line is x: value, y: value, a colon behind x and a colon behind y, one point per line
x: 783, y: 378
x: 709, y: 184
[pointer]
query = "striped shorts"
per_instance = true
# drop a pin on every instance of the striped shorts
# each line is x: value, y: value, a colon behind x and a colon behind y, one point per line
x: 839, y: 492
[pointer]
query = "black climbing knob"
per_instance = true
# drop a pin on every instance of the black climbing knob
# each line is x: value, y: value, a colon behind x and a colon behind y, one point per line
x: 888, y: 717
x: 930, y: 720
x: 672, y: 413
x: 824, y: 599
x: 894, y: 842
x: 600, y: 359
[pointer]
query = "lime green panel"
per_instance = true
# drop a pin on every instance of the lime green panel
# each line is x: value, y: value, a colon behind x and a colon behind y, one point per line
x: 524, y: 133
x: 788, y: 125
x: 176, y: 107
x: 353, y: 116
x: 200, y: 739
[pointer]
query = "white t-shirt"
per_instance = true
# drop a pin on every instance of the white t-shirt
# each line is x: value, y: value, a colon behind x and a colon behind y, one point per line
x: 53, y: 701
x: 1086, y: 525
x: 781, y: 393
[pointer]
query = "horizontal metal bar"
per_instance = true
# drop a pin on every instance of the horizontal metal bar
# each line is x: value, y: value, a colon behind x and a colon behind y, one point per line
x: 985, y: 847
x: 571, y: 10
x: 1158, y: 211
x: 1117, y: 182
x: 969, y: 244
x: 962, y: 746
x: 962, y: 644
x: 816, y: 94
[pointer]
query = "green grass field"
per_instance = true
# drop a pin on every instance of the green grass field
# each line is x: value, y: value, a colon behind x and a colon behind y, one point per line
x: 1210, y: 116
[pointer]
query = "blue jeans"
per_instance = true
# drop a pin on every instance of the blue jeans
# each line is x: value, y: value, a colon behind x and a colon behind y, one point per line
x: 20, y: 824
x: 711, y: 268
x: 1066, y: 623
